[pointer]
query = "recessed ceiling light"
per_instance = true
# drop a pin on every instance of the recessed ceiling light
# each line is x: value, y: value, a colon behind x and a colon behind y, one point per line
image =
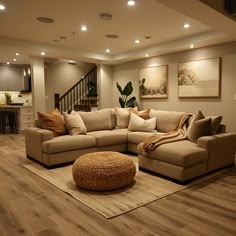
x: 2, y: 7
x: 14, y: 59
x: 131, y: 3
x: 137, y: 41
x: 83, y: 28
x: 108, y: 50
x: 43, y: 53
x: 191, y: 45
x: 147, y: 55
x: 43, y: 19
x: 17, y: 54
x: 186, y: 26
x: 8, y: 63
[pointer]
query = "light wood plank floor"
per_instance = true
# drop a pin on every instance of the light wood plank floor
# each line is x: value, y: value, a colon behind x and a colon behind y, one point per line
x: 30, y: 205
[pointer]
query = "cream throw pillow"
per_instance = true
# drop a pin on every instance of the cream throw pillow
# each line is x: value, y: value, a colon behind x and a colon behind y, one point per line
x: 74, y: 123
x: 137, y: 123
x: 200, y: 126
x: 122, y: 117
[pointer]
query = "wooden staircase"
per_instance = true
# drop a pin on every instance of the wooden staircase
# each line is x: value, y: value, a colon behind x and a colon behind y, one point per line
x: 81, y: 97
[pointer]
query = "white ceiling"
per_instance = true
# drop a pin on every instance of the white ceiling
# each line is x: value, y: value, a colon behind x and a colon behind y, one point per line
x: 161, y: 19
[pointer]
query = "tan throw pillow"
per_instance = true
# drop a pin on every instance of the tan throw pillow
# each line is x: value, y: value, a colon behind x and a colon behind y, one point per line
x: 53, y: 122
x: 137, y: 123
x: 74, y: 123
x: 122, y: 117
x: 143, y: 114
x: 200, y: 126
x: 97, y: 120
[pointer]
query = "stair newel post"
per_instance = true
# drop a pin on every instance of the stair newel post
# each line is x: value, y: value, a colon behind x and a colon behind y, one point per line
x: 57, y: 100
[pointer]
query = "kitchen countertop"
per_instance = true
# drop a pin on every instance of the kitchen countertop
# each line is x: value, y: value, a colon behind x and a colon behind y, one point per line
x: 13, y: 106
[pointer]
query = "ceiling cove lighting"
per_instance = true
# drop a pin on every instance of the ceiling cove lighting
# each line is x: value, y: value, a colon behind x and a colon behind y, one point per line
x: 2, y: 7
x: 83, y: 28
x: 186, y: 26
x: 191, y: 45
x: 131, y: 3
x: 42, y: 53
x: 108, y: 50
x: 137, y: 41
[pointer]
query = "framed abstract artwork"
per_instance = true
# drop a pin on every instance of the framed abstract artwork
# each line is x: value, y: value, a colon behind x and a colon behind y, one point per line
x: 153, y: 82
x: 200, y: 79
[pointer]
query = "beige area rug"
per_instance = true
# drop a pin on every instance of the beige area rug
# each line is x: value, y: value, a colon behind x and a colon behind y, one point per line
x: 145, y: 189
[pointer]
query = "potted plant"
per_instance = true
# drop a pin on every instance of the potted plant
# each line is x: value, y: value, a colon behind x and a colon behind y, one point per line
x: 125, y: 93
x: 8, y: 98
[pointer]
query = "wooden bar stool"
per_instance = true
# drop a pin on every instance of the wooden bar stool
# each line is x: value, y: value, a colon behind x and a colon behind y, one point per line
x: 8, y: 118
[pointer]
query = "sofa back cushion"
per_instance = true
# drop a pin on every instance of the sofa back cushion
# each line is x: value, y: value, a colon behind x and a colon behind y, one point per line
x: 52, y: 121
x: 166, y: 121
x: 113, y: 116
x: 97, y: 120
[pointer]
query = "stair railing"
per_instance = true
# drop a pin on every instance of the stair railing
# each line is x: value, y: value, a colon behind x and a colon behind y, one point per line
x: 81, y: 96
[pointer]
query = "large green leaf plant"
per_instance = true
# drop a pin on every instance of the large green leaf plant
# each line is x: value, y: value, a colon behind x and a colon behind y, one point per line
x: 125, y: 93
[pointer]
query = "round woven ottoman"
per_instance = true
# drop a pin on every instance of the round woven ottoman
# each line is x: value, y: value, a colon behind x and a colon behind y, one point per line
x: 103, y: 171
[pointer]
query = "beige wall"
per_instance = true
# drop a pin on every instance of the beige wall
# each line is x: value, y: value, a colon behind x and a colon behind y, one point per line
x: 105, y: 83
x: 225, y: 106
x: 60, y: 77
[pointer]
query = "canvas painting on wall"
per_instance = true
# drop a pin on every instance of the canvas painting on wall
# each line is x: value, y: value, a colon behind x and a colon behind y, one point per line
x: 153, y: 82
x: 199, y: 79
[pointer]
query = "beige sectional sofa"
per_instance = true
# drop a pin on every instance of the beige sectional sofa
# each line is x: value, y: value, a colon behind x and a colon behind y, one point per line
x: 110, y: 130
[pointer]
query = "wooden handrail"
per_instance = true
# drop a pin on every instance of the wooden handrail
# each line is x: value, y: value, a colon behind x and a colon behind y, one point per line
x: 82, y: 94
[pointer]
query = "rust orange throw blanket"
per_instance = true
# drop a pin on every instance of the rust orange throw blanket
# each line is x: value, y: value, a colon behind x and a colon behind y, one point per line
x: 179, y: 133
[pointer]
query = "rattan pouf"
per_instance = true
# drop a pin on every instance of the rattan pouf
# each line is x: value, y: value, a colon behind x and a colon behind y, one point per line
x: 103, y: 171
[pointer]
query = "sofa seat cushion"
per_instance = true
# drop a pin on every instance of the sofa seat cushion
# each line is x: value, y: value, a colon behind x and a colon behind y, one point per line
x: 181, y: 153
x: 108, y: 137
x: 67, y: 143
x: 138, y: 137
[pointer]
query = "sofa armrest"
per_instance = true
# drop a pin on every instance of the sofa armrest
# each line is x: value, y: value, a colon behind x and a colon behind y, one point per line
x: 221, y: 149
x: 34, y: 138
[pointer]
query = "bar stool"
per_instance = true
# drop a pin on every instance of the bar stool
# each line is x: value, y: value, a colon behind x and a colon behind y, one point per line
x: 9, y: 116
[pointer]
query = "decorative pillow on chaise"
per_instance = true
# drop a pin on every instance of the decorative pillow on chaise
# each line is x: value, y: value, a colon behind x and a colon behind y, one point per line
x: 215, y: 124
x: 74, y: 123
x: 52, y: 121
x: 137, y: 123
x: 199, y: 126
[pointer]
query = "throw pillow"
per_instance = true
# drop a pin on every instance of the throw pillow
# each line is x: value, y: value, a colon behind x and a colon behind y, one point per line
x: 74, y: 123
x: 215, y: 124
x: 143, y: 114
x: 137, y: 123
x: 200, y: 126
x: 52, y: 121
